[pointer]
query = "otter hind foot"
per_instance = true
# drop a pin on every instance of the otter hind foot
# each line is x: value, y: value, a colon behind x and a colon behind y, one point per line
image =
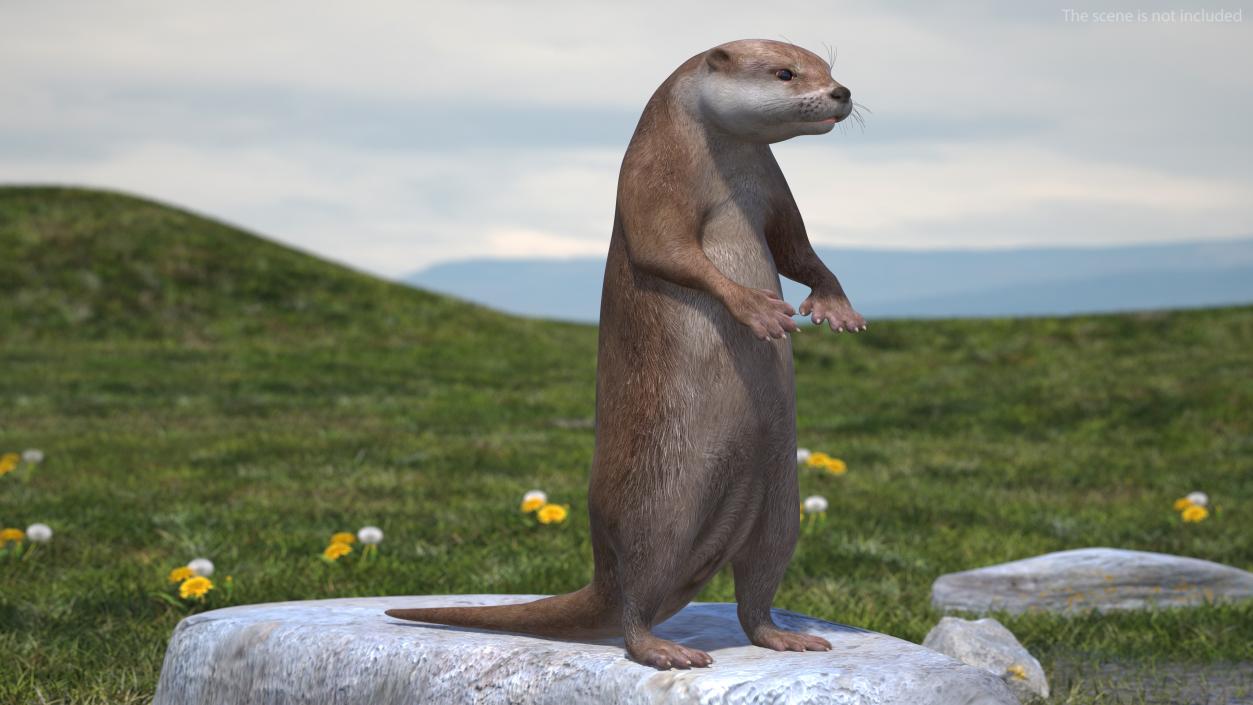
x: 663, y: 655
x: 781, y: 640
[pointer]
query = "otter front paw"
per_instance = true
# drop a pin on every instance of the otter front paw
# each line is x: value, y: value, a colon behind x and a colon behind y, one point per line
x: 762, y: 311
x: 834, y: 310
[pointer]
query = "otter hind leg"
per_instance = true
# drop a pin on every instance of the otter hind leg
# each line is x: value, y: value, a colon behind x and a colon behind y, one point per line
x: 649, y: 596
x: 638, y: 613
x: 758, y: 568
x: 647, y: 575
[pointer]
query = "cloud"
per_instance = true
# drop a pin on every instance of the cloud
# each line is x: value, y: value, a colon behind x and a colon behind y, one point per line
x: 383, y: 213
x: 1002, y: 193
x: 401, y: 134
x: 531, y: 243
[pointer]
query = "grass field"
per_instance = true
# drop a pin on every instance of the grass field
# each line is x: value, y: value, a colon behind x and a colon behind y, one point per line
x: 198, y: 391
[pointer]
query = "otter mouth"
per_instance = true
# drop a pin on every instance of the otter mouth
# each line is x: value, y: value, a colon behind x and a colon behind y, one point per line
x: 825, y: 122
x: 838, y: 117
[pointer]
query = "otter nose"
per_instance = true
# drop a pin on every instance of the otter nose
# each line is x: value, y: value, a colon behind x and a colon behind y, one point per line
x: 841, y: 93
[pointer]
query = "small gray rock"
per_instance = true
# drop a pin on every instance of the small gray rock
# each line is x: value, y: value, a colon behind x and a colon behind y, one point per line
x: 341, y: 652
x: 1092, y: 578
x: 987, y: 644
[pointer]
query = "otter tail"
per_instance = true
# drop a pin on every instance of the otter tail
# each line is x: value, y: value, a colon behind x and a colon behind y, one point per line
x: 579, y: 614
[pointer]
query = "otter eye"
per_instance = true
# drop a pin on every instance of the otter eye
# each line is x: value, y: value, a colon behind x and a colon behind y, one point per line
x: 784, y: 74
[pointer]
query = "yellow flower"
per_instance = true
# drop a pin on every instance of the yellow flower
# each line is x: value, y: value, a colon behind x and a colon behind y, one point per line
x: 532, y: 500
x: 817, y: 459
x: 1182, y: 503
x: 180, y: 574
x: 1017, y: 671
x: 835, y: 466
x: 11, y: 535
x: 552, y: 514
x: 344, y: 537
x: 8, y: 463
x: 335, y: 550
x: 1195, y: 513
x: 195, y: 586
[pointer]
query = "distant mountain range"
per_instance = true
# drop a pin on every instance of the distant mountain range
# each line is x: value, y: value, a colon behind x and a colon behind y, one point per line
x: 913, y: 283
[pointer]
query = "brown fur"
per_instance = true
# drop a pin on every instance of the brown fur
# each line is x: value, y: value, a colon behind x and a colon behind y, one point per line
x: 695, y: 460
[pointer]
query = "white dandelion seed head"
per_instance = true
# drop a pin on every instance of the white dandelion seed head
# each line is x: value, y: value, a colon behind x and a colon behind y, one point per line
x: 1199, y: 498
x: 39, y: 533
x: 802, y: 455
x: 201, y: 566
x: 535, y: 494
x: 370, y: 535
x: 815, y: 504
x: 33, y: 455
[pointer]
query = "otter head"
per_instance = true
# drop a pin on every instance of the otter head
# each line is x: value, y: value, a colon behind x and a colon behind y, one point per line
x: 765, y: 91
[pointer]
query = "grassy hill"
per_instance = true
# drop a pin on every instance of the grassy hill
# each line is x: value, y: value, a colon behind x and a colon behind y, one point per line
x: 95, y: 265
x: 201, y: 391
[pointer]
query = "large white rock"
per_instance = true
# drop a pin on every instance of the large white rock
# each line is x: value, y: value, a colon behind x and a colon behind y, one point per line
x: 987, y: 644
x: 1091, y: 578
x: 329, y: 652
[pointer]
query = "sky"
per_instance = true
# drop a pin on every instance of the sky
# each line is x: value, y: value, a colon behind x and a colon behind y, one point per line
x: 394, y: 135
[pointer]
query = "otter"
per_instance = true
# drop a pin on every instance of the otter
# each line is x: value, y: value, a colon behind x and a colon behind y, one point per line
x: 695, y: 457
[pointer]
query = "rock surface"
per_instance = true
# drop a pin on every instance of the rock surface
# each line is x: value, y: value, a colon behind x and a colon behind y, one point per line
x: 347, y: 651
x: 1092, y: 578
x: 987, y: 644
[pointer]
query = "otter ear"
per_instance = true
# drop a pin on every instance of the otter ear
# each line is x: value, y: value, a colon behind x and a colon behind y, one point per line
x: 718, y: 59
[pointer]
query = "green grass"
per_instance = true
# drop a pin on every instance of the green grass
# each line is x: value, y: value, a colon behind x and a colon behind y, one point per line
x: 199, y: 391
